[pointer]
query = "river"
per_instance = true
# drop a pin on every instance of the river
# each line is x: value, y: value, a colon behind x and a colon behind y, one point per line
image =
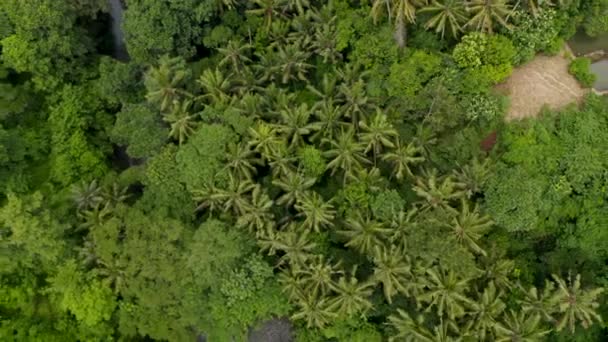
x: 581, y: 44
x: 116, y: 12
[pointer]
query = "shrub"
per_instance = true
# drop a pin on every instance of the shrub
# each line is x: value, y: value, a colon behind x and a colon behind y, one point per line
x: 490, y: 57
x: 580, y: 69
x: 555, y: 46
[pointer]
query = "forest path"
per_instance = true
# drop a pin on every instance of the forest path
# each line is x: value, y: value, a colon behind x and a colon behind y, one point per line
x: 543, y: 81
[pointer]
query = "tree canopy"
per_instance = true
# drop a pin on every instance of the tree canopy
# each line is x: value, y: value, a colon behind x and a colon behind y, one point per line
x: 312, y: 170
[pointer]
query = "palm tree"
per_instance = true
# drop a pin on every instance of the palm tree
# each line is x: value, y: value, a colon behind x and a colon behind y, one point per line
x: 164, y: 82
x: 415, y: 331
x: 345, y: 153
x: 299, y: 6
x: 575, y: 304
x: 486, y: 13
x: 407, y: 329
x: 216, y: 86
x: 87, y: 253
x: 181, y: 121
x: 535, y: 6
x: 448, y: 15
x: 392, y: 269
x: 326, y: 92
x: 317, y: 276
x: 235, y: 53
x: 264, y: 139
x: 250, y: 105
x: 248, y: 81
x: 316, y: 212
x: 240, y: 161
x: 280, y: 99
x: 469, y: 226
x: 113, y: 272
x: 497, y: 269
x: 291, y: 61
x: 355, y: 102
x: 87, y: 195
x: 257, y: 215
x: 474, y: 175
x: 447, y: 292
x: 324, y: 42
x: 371, y: 179
x: 437, y: 193
x: 425, y: 139
x: 377, y: 133
x: 329, y: 119
x: 485, y: 311
x: 352, y: 297
x: 520, y: 326
x: 291, y: 282
x: 402, y: 226
x: 235, y: 196
x: 282, y: 161
x: 351, y: 73
x: 208, y: 196
x: 222, y: 5
x: 270, y: 9
x: 537, y: 302
x: 364, y: 234
x: 114, y: 194
x: 295, y: 124
x: 402, y: 157
x: 294, y: 186
x: 280, y: 33
x: 403, y: 11
x: 95, y: 217
x: 315, y: 311
x: 295, y: 244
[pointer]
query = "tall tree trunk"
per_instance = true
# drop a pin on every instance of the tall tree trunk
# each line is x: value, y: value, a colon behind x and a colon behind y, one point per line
x: 400, y: 34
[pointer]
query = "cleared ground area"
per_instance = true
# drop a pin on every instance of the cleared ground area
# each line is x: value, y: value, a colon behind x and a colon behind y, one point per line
x: 543, y: 81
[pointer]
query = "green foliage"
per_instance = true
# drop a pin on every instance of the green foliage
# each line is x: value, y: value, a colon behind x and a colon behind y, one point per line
x: 90, y: 300
x: 312, y: 161
x: 75, y: 155
x: 595, y: 22
x: 164, y: 190
x: 155, y: 28
x: 484, y: 107
x: 490, y: 57
x: 288, y: 166
x: 407, y: 78
x: 247, y: 294
x: 580, y: 69
x: 536, y: 33
x: 200, y: 160
x: 470, y: 50
x: 150, y: 134
x: 118, y: 82
x: 33, y: 233
x: 47, y: 40
x: 387, y: 205
x: 555, y: 168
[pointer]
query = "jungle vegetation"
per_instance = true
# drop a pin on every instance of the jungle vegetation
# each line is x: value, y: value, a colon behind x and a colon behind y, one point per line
x: 342, y: 163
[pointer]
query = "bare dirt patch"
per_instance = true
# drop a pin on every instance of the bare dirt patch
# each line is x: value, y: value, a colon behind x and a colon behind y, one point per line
x: 543, y: 81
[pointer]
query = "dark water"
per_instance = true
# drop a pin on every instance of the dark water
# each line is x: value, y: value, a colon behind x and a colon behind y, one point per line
x: 600, y: 69
x: 582, y: 44
x: 116, y: 12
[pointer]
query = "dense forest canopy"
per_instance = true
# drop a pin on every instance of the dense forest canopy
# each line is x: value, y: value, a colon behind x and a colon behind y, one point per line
x: 344, y: 164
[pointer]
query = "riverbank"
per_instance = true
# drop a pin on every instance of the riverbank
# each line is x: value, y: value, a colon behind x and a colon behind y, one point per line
x: 596, y: 49
x: 544, y: 81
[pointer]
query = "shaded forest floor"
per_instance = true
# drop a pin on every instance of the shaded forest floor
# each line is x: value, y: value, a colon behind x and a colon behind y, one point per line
x: 543, y: 81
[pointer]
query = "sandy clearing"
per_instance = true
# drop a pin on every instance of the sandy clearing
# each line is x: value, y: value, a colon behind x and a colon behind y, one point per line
x: 543, y: 81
